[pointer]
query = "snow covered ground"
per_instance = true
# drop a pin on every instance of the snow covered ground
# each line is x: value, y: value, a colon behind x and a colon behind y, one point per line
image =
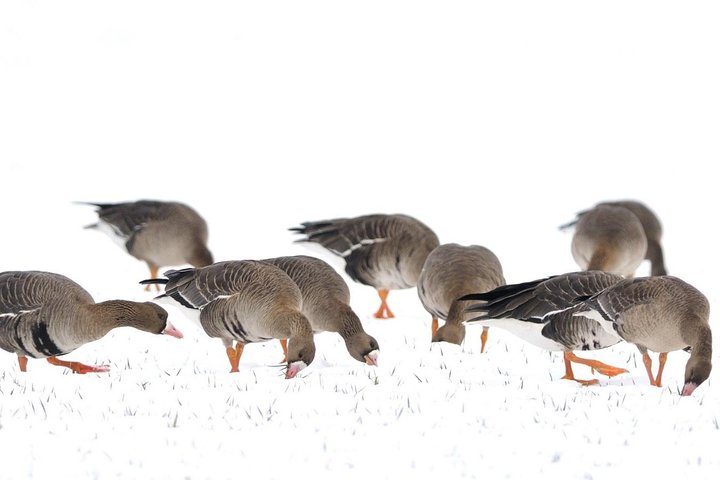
x: 491, y: 122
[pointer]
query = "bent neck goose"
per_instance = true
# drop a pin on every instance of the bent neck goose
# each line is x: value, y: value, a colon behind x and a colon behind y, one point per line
x: 661, y: 314
x: 44, y: 315
x: 383, y: 251
x: 610, y: 239
x: 325, y: 303
x: 651, y: 226
x: 450, y: 272
x: 158, y: 233
x: 244, y: 301
x: 541, y: 313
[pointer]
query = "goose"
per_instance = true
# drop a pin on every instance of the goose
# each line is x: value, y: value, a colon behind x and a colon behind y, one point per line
x: 451, y: 271
x: 383, y: 251
x: 540, y: 313
x: 158, y: 233
x: 326, y: 304
x: 651, y: 226
x: 657, y: 313
x: 45, y: 315
x: 611, y: 239
x: 244, y: 301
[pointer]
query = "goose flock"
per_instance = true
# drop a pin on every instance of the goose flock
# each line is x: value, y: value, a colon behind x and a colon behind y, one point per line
x: 46, y: 315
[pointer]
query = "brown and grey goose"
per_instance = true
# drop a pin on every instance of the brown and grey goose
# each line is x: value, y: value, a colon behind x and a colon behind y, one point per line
x: 44, y: 315
x: 159, y: 233
x: 383, y: 251
x: 326, y: 304
x: 450, y: 272
x: 244, y: 301
x: 576, y: 310
x: 611, y: 239
x: 651, y: 226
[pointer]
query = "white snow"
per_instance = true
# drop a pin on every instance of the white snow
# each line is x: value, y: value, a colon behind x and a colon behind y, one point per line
x: 492, y: 122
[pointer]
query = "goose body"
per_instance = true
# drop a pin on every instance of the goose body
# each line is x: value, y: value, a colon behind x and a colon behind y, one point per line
x: 326, y: 303
x: 450, y: 272
x: 611, y: 239
x: 44, y: 315
x: 651, y: 227
x: 158, y: 233
x: 660, y: 313
x: 386, y: 252
x: 244, y: 301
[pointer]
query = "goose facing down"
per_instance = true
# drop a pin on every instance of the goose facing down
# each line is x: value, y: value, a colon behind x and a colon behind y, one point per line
x: 651, y: 226
x: 450, y: 272
x: 660, y: 313
x: 158, y: 233
x: 244, y: 301
x: 383, y: 251
x: 543, y: 313
x: 44, y: 315
x: 326, y: 304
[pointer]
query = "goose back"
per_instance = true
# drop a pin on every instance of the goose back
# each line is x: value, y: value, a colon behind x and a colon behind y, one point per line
x: 383, y: 251
x: 609, y: 238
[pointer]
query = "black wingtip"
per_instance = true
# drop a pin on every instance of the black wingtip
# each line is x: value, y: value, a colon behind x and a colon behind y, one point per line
x: 474, y: 296
x: 565, y: 226
x: 153, y: 281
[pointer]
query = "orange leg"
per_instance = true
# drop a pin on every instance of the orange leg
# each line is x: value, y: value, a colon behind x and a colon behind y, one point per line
x: 234, y: 355
x: 283, y: 344
x: 483, y: 339
x: 78, y: 367
x: 433, y: 327
x: 384, y: 311
x: 153, y: 274
x: 22, y: 360
x: 662, y: 358
x: 603, y: 368
x: 569, y: 375
x: 648, y: 366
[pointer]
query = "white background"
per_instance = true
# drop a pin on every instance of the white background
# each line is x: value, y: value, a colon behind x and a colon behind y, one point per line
x: 492, y: 122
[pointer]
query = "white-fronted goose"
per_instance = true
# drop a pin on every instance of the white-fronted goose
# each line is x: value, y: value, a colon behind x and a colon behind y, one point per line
x: 651, y: 226
x: 159, y: 233
x: 450, y: 272
x: 245, y: 301
x: 661, y: 314
x: 326, y: 304
x: 540, y: 312
x: 383, y: 251
x: 611, y: 239
x: 43, y: 315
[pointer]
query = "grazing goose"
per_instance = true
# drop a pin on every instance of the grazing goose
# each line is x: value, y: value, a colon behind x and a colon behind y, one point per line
x: 611, y: 239
x: 540, y: 312
x: 43, y: 315
x: 383, y: 251
x: 651, y: 226
x: 158, y: 233
x: 450, y: 272
x: 325, y: 303
x: 246, y: 301
x: 661, y: 314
